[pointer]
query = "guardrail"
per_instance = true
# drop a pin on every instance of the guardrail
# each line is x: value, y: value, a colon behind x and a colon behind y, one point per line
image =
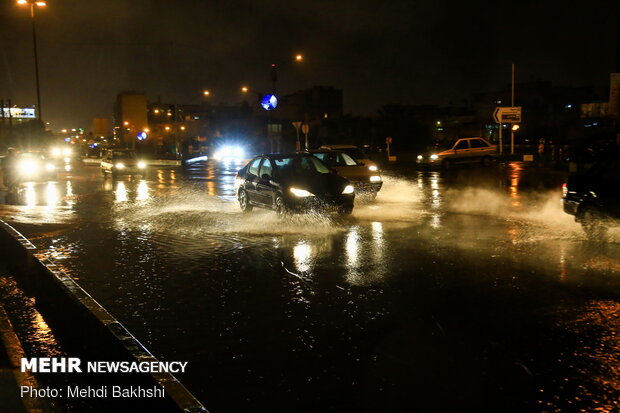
x: 86, y: 328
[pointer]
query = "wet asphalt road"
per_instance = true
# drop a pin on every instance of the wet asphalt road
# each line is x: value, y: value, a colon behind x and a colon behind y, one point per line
x: 467, y: 291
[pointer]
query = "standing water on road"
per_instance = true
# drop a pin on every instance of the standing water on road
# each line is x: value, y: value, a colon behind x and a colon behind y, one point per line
x: 451, y: 292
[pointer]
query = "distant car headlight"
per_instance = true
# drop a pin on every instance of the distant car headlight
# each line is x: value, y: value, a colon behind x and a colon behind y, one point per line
x: 56, y: 152
x: 420, y: 157
x: 120, y: 165
x: 28, y: 167
x: 302, y: 193
x: 375, y: 178
x: 229, y: 152
x: 434, y: 157
x: 372, y: 168
x: 141, y: 164
x: 49, y: 167
x: 348, y: 189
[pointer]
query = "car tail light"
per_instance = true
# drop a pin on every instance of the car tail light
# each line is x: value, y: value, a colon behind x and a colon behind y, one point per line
x: 564, y: 189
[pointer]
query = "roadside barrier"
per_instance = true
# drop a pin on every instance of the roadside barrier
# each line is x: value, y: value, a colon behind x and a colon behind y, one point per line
x: 86, y: 328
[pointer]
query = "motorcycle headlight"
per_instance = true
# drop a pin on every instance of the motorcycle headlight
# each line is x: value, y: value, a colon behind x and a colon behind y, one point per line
x: 141, y: 164
x: 301, y: 192
x: 375, y: 178
x: 348, y: 189
x: 372, y: 168
x: 119, y: 165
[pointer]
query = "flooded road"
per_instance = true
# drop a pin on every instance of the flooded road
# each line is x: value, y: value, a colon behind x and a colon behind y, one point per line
x: 468, y: 291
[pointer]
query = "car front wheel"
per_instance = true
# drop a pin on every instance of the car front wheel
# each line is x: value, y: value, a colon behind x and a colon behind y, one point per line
x: 345, y: 210
x: 592, y: 224
x: 280, y: 207
x: 244, y: 203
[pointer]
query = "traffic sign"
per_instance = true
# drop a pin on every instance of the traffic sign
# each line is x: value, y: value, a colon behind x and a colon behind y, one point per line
x: 296, y: 124
x: 305, y: 128
x: 388, y: 140
x: 507, y: 114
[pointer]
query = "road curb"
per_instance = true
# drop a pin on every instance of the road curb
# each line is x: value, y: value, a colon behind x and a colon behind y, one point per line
x: 82, y: 321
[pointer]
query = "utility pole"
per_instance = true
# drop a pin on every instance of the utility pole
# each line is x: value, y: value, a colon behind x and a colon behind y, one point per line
x: 512, y: 104
x: 36, y: 63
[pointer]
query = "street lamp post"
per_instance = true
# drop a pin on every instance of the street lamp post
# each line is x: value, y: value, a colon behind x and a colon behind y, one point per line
x: 33, y: 4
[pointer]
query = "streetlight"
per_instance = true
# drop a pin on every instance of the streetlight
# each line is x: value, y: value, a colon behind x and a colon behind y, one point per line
x: 274, y: 71
x: 206, y: 93
x: 244, y: 89
x: 32, y: 4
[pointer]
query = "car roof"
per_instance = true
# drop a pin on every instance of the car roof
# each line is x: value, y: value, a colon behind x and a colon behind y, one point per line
x: 338, y: 147
x: 283, y: 155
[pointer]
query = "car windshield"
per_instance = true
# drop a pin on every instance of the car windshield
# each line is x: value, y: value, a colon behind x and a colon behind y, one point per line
x: 442, y: 146
x: 355, y: 153
x: 336, y: 159
x: 123, y: 155
x: 302, y: 165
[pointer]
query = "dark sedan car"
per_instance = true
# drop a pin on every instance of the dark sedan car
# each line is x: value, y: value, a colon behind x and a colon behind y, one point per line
x: 593, y: 197
x: 288, y: 183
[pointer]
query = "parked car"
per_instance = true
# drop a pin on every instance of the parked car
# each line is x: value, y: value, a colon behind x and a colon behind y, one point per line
x: 354, y: 152
x: 465, y: 150
x: 292, y: 183
x: 366, y: 180
x: 593, y: 196
x: 122, y: 162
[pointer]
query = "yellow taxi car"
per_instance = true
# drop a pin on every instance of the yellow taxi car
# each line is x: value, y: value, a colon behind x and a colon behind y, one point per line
x: 365, y: 179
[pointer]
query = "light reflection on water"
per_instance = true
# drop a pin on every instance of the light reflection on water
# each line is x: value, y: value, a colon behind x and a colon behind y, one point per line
x: 178, y: 242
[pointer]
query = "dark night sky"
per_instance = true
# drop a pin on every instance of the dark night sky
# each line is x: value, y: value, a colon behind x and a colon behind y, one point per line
x: 391, y: 51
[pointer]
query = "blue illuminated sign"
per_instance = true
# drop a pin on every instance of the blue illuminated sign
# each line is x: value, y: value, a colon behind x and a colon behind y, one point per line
x: 269, y: 102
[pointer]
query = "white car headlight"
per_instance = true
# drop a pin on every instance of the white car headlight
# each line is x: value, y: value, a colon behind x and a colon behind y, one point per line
x: 434, y: 157
x: 28, y: 167
x: 372, y: 168
x: 56, y: 152
x: 141, y: 164
x: 348, y: 189
x: 301, y: 192
x: 49, y: 167
x: 375, y: 178
x: 420, y: 157
x: 119, y: 165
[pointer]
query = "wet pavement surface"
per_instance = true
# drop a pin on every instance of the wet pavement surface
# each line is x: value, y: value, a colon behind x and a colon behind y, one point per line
x: 462, y: 291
